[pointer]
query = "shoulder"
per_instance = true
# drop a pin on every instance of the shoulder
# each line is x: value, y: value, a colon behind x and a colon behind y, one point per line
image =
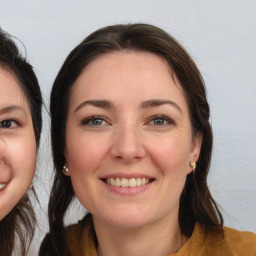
x: 73, y: 238
x: 76, y: 230
x: 80, y: 238
x: 228, y: 241
x: 220, y: 241
x: 240, y: 241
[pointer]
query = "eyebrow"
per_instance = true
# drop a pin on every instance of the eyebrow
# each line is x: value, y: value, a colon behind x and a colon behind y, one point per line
x: 145, y: 104
x: 96, y: 103
x: 11, y: 108
x: 159, y: 102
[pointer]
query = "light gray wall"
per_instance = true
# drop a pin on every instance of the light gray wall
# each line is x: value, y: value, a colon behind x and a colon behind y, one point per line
x: 221, y: 37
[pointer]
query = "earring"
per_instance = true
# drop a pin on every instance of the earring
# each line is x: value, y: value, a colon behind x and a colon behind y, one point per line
x: 65, y: 169
x: 193, y: 165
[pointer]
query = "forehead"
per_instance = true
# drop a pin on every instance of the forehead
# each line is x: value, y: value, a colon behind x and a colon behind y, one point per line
x: 128, y: 74
x: 10, y: 90
x: 127, y: 61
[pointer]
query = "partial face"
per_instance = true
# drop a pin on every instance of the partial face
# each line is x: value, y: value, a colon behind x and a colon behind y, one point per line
x: 17, y: 143
x: 129, y: 140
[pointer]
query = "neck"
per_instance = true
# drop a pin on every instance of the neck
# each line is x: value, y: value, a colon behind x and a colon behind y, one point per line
x: 156, y: 239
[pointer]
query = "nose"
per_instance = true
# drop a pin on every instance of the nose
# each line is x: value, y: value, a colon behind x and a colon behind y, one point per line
x: 127, y: 144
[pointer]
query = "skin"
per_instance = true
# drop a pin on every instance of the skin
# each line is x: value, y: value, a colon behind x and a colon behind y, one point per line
x: 17, y: 143
x: 140, y: 128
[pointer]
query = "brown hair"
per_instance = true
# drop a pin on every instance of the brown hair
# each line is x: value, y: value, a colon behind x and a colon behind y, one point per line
x: 196, y: 202
x: 21, y: 220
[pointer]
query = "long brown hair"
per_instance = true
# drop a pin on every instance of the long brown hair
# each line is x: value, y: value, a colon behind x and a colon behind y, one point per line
x: 196, y: 202
x: 20, y: 222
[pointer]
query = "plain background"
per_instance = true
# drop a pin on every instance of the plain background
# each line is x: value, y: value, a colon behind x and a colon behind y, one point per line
x: 221, y: 37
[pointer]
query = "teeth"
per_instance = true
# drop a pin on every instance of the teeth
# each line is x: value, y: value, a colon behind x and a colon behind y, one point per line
x: 2, y: 185
x: 124, y: 183
x: 131, y: 183
x: 138, y: 181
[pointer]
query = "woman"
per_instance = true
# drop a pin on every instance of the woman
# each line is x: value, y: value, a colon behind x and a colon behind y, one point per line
x: 20, y: 128
x: 131, y: 139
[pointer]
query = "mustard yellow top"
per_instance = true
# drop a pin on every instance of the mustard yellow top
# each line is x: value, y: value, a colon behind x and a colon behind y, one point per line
x: 229, y: 242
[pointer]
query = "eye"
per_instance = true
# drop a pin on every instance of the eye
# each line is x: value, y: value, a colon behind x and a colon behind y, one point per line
x: 94, y: 121
x: 160, y: 120
x: 7, y: 124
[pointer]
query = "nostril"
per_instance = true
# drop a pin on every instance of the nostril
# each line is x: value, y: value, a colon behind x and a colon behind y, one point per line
x: 127, y: 143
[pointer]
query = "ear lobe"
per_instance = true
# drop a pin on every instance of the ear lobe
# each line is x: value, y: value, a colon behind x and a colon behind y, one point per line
x: 195, y: 152
x: 66, y: 170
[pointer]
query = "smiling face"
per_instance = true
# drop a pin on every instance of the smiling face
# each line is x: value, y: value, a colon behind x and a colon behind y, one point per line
x: 129, y: 139
x: 17, y: 143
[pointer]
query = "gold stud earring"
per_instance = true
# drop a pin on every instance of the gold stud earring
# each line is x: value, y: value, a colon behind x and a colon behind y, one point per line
x: 65, y: 169
x: 193, y: 165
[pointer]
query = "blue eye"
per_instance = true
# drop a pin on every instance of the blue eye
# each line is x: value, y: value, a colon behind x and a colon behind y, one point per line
x: 160, y: 120
x: 6, y: 124
x: 94, y: 121
x: 97, y: 121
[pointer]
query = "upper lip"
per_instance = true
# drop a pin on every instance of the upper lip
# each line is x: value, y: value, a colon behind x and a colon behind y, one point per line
x: 127, y: 176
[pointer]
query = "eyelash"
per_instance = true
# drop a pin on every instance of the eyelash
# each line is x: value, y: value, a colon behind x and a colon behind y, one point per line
x: 89, y: 120
x: 7, y: 122
x: 163, y: 118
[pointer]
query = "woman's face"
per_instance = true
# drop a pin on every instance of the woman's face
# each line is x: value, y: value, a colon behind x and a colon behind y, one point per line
x: 17, y: 143
x: 129, y: 139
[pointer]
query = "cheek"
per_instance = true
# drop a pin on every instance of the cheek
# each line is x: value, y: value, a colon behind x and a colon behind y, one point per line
x: 170, y: 153
x: 24, y: 159
x: 84, y: 156
x: 19, y: 157
x: 84, y: 153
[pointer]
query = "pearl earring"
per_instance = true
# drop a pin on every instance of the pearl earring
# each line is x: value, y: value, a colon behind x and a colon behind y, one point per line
x: 65, y: 169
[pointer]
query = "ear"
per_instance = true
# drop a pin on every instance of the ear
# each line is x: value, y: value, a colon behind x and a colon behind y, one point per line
x: 195, y: 149
x: 66, y: 170
x: 196, y: 146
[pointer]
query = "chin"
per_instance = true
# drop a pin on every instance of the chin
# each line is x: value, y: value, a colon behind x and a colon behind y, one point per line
x: 126, y: 220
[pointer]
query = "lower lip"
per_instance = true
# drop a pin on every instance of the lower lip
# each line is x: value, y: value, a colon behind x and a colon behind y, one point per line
x: 128, y: 190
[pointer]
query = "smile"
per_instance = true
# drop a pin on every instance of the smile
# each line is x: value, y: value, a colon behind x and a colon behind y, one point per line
x: 2, y: 185
x: 131, y: 183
